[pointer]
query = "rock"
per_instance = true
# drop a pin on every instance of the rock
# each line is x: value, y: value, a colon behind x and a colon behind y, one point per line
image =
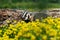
x: 55, y: 13
x: 12, y: 14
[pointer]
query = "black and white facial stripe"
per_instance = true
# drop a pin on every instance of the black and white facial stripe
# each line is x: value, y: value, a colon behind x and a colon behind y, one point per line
x: 26, y: 15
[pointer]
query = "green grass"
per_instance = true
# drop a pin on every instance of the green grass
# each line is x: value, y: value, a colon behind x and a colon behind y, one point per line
x: 54, y: 5
x: 32, y: 6
x: 24, y: 5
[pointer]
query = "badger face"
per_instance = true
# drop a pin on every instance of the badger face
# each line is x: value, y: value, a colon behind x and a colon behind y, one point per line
x: 27, y: 17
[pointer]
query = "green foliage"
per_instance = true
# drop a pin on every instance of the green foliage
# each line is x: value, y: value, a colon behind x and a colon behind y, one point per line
x: 29, y: 4
x: 43, y: 4
x: 53, y: 5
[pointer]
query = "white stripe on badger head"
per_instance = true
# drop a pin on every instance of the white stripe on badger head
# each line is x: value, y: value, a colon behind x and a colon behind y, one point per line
x: 27, y: 16
x: 24, y: 14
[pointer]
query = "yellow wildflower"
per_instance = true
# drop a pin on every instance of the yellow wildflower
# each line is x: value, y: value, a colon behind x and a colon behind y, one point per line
x: 44, y: 37
x: 0, y: 31
x: 7, y: 21
x: 33, y: 37
x: 58, y: 26
x: 52, y: 38
x: 27, y: 35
